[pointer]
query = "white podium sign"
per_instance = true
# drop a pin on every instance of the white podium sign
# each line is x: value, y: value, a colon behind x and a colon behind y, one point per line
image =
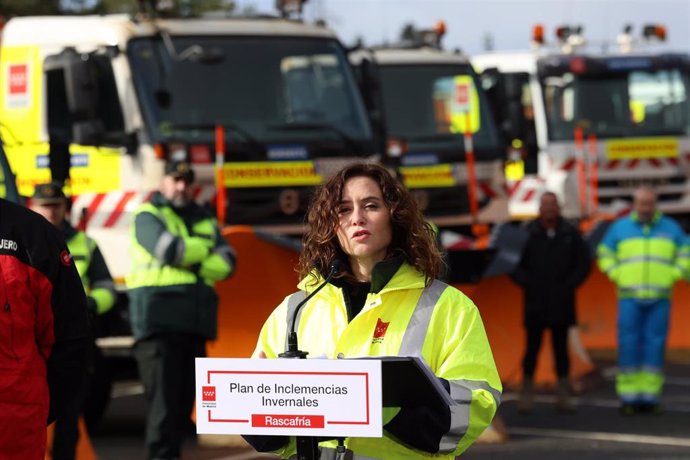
x: 291, y: 397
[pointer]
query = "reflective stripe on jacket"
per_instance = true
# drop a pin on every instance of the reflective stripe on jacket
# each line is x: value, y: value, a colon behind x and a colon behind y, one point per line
x: 644, y: 260
x: 438, y: 323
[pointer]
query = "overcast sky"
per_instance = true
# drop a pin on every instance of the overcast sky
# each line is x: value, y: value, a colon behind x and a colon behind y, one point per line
x: 509, y: 22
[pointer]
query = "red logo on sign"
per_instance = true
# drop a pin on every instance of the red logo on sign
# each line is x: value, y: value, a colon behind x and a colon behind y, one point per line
x: 380, y: 330
x: 208, y: 393
x: 18, y: 79
x: 66, y: 258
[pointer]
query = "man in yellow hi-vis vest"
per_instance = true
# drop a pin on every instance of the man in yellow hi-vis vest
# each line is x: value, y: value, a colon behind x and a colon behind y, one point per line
x: 49, y: 201
x: 178, y: 254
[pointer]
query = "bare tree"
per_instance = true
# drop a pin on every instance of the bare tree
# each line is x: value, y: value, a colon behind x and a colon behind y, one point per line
x: 408, y: 32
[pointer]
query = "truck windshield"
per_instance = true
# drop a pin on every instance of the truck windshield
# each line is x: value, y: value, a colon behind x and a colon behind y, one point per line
x: 250, y: 84
x: 636, y: 103
x: 421, y: 104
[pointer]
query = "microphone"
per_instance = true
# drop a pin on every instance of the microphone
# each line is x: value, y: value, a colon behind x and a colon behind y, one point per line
x: 292, y: 350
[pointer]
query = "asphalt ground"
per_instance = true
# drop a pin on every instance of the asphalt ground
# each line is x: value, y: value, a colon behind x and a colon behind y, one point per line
x: 596, y: 432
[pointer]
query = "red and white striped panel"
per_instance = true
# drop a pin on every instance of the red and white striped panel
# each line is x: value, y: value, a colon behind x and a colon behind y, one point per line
x: 205, y: 194
x: 486, y: 191
x: 638, y: 163
x: 525, y: 191
x: 107, y: 210
x: 568, y: 164
x: 112, y: 210
x: 630, y: 163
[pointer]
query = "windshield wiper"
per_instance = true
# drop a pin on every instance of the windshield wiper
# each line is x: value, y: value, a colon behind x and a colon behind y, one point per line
x: 303, y: 126
x: 194, y: 53
x: 166, y: 129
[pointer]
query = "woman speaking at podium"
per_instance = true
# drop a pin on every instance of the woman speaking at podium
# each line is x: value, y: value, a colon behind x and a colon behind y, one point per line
x: 384, y: 299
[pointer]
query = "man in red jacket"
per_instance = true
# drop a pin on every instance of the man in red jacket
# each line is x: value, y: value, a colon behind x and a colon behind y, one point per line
x: 44, y: 331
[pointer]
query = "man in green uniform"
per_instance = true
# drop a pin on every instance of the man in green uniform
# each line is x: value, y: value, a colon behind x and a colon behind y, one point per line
x: 178, y: 254
x: 50, y: 202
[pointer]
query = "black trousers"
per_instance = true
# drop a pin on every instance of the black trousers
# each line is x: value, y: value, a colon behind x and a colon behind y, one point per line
x: 66, y: 429
x: 166, y: 368
x: 559, y: 341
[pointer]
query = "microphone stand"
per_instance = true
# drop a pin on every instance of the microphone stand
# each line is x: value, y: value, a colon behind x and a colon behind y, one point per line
x: 307, y: 446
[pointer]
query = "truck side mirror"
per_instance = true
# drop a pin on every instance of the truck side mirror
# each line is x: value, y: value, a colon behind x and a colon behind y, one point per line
x: 370, y: 74
x: 515, y: 123
x: 370, y: 87
x: 493, y: 83
x: 512, y: 87
x: 89, y: 132
x: 490, y: 72
x: 79, y: 80
x: 73, y: 99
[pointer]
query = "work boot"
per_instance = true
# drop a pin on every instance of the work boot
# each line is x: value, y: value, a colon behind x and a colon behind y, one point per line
x: 526, y: 401
x: 649, y: 408
x: 564, y: 404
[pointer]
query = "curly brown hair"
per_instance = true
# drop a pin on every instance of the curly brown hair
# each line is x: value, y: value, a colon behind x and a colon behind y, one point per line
x: 412, y: 235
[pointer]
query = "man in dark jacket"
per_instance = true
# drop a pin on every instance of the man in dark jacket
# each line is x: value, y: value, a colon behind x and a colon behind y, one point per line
x: 178, y: 254
x: 44, y: 331
x: 555, y: 261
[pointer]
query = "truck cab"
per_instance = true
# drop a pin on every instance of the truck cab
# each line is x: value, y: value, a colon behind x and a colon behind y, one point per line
x: 432, y: 104
x: 593, y: 126
x: 102, y: 102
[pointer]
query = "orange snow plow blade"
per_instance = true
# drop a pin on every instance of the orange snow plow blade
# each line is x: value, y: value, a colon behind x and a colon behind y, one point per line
x: 597, y: 309
x: 500, y: 303
x: 265, y: 275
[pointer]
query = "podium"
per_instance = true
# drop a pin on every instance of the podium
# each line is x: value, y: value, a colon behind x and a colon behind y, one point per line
x: 407, y: 381
x: 310, y: 399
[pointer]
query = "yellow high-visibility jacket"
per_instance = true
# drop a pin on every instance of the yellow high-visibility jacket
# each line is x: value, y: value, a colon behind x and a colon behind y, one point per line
x: 438, y: 323
x: 94, y: 273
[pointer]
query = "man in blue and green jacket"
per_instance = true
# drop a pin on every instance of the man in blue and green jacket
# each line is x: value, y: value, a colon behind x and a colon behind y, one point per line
x: 644, y: 254
x: 178, y: 254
